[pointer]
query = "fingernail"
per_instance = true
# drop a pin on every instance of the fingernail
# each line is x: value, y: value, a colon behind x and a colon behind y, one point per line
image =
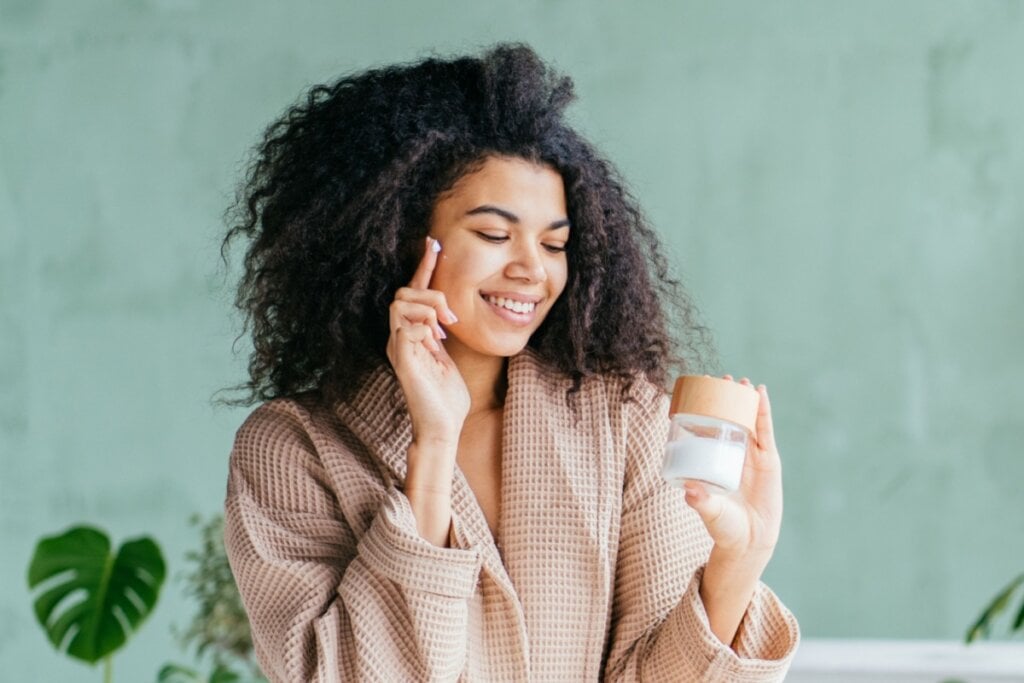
x: 449, y: 317
x: 436, y: 246
x: 440, y: 332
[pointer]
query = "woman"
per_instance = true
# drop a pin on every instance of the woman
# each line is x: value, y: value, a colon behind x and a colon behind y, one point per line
x: 460, y: 340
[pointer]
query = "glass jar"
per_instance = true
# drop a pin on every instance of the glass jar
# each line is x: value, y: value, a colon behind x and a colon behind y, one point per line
x: 713, y: 422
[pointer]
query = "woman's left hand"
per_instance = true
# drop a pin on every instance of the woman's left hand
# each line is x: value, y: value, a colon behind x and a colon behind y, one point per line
x: 745, y: 524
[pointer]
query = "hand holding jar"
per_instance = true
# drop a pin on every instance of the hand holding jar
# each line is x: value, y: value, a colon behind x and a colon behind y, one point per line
x: 742, y: 514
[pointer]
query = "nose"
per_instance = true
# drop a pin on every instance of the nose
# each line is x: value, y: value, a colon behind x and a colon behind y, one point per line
x: 527, y: 264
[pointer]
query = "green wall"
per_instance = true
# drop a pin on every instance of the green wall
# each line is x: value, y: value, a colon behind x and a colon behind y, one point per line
x: 839, y: 184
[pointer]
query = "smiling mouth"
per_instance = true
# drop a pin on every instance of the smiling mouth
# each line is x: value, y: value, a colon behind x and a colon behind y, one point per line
x: 511, y: 305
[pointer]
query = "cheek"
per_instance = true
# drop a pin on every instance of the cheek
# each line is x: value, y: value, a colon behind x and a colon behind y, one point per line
x: 449, y: 280
x: 560, y: 276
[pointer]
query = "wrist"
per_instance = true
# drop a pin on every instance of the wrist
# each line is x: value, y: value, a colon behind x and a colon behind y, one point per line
x: 428, y: 487
x: 741, y: 566
x: 434, y: 456
x: 436, y: 439
x: 726, y: 588
x: 430, y: 469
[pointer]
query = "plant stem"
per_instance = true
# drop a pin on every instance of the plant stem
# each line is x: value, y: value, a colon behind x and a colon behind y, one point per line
x: 108, y: 671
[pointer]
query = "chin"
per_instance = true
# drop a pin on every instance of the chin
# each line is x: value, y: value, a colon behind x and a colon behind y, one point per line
x: 504, y: 348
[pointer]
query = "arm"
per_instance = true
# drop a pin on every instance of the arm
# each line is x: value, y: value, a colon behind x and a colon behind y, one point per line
x: 324, y: 604
x: 726, y: 589
x: 661, y: 628
x: 744, y: 526
x: 428, y: 486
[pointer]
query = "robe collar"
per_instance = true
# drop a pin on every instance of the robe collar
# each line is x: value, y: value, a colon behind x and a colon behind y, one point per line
x: 378, y: 415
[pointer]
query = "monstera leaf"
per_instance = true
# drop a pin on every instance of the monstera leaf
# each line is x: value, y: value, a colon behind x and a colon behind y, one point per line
x: 91, y: 601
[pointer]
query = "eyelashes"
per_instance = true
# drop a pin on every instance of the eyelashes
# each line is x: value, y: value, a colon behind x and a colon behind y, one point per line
x: 493, y: 238
x: 499, y: 239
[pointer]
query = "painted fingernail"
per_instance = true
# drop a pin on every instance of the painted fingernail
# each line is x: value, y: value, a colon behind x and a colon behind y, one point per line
x: 449, y: 316
x: 440, y: 332
x: 435, y: 246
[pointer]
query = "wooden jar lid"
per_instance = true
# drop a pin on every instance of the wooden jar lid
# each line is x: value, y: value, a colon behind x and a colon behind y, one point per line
x: 715, y: 397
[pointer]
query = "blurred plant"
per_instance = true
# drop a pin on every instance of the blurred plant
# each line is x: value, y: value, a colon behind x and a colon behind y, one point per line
x: 172, y: 673
x: 89, y: 601
x: 220, y: 628
x: 981, y: 628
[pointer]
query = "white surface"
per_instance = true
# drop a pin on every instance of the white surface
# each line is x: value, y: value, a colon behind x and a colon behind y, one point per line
x: 907, y: 661
x: 717, y: 462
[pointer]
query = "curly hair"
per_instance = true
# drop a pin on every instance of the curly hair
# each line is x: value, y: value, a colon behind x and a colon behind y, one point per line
x: 337, y: 201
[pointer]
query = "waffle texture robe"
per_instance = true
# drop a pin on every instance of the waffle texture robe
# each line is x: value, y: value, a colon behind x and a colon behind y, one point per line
x: 594, y: 574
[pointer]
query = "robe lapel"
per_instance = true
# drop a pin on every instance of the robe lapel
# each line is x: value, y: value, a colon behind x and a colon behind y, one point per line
x: 557, y: 479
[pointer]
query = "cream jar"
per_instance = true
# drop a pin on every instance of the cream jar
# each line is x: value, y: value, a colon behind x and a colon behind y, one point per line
x: 713, y: 424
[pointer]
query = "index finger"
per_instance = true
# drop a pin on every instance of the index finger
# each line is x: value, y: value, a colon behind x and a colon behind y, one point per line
x: 765, y: 426
x: 421, y: 278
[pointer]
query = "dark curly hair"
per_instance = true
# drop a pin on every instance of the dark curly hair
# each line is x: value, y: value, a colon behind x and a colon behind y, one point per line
x: 337, y: 202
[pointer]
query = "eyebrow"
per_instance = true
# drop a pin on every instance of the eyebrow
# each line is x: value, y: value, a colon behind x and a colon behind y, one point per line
x: 511, y: 217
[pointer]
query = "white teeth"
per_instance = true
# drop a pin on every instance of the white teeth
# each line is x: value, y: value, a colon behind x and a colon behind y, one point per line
x: 517, y: 306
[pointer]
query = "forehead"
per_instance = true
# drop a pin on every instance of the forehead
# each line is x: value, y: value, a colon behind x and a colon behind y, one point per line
x: 513, y: 183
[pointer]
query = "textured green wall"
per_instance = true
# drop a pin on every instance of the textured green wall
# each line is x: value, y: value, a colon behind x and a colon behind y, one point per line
x: 839, y: 183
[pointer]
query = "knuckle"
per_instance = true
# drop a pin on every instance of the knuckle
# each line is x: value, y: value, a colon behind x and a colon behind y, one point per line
x: 426, y: 313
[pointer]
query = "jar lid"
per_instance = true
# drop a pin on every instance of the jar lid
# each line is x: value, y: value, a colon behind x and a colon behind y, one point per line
x: 715, y: 397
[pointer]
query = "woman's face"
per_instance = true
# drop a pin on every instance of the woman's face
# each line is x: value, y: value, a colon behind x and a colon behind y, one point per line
x: 503, y: 230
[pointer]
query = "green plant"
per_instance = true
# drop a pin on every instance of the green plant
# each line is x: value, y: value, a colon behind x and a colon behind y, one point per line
x: 983, y: 626
x: 220, y: 627
x: 172, y: 673
x: 89, y: 601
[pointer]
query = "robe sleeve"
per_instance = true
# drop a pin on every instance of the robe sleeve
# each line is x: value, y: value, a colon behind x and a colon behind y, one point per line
x: 660, y: 630
x: 323, y: 604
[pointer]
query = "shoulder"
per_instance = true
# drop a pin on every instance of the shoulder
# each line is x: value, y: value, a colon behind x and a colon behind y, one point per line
x: 286, y: 455
x: 283, y: 434
x: 276, y: 421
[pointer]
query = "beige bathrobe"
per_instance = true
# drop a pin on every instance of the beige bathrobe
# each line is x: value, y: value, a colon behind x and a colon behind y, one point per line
x: 594, y: 575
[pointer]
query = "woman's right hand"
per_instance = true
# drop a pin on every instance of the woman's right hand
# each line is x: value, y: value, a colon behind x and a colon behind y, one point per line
x: 434, y: 390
